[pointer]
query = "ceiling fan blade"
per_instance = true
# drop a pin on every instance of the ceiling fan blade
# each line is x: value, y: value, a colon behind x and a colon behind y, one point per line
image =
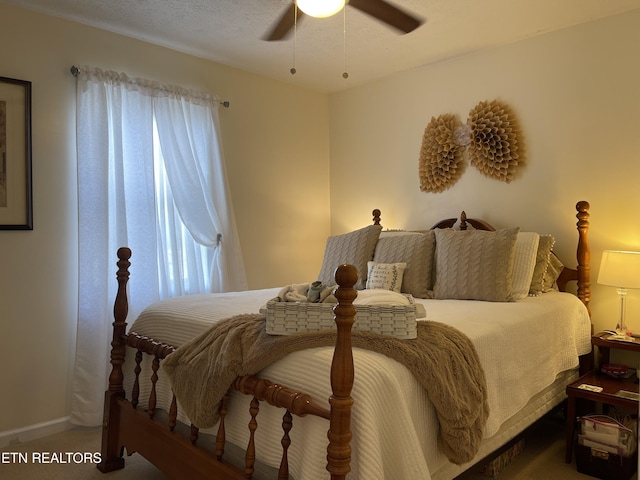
x: 284, y: 25
x: 388, y: 14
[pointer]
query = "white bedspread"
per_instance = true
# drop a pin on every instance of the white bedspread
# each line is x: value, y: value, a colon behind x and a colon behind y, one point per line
x: 523, y: 346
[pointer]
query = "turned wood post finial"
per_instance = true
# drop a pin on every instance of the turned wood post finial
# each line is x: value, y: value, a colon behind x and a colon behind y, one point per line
x: 120, y: 312
x: 376, y: 216
x: 584, y: 255
x: 342, y: 374
x: 346, y: 276
x: 111, y: 447
x: 121, y: 305
x: 463, y: 220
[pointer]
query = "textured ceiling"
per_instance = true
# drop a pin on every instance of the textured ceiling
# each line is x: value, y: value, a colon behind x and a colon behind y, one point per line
x: 230, y: 31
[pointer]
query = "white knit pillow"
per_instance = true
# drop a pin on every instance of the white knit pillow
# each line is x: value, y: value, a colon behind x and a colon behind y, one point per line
x: 475, y: 264
x: 355, y: 248
x: 524, y: 263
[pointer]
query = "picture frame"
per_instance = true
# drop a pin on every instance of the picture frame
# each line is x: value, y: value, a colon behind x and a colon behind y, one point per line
x: 16, y: 204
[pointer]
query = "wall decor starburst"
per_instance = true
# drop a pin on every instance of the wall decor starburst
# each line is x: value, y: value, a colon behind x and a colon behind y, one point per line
x: 495, y: 147
x: 441, y: 163
x: 491, y: 136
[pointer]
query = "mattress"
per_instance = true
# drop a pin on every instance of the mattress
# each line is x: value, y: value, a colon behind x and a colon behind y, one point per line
x: 529, y: 350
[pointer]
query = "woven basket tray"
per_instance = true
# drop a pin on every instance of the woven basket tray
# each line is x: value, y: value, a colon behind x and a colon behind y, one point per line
x: 285, y: 318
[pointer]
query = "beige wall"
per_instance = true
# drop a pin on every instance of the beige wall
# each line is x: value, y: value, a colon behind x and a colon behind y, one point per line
x: 276, y: 141
x: 576, y: 93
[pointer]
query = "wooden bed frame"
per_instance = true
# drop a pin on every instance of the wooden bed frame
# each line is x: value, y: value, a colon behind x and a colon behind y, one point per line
x: 138, y: 429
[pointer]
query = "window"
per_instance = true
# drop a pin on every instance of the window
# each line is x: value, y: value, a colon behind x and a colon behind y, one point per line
x: 186, y: 263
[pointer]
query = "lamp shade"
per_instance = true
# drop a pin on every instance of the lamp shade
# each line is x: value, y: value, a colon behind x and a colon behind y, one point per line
x: 320, y: 8
x: 620, y: 269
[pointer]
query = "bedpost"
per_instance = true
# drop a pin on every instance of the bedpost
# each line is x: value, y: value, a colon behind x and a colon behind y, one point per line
x: 463, y: 220
x: 376, y: 216
x: 120, y: 312
x: 342, y: 373
x: 583, y: 254
x: 111, y: 447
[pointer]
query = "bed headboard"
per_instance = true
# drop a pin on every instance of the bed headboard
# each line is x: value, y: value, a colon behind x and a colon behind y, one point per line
x: 580, y: 274
x: 464, y: 223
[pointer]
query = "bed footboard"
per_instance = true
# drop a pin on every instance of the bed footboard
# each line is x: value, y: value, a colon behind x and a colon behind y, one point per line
x: 127, y: 424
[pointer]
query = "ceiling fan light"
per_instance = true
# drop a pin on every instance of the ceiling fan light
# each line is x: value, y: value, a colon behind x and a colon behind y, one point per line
x: 320, y: 8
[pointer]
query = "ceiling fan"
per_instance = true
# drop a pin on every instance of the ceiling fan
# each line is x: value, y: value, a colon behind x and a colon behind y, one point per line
x: 378, y: 9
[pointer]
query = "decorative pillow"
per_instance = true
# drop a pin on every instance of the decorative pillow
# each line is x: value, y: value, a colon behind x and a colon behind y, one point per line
x: 545, y: 245
x: 356, y: 248
x: 524, y: 263
x: 417, y: 251
x: 475, y: 264
x: 387, y: 276
x: 554, y: 268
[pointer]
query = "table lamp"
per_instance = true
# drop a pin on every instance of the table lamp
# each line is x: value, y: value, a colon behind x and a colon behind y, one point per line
x: 621, y: 270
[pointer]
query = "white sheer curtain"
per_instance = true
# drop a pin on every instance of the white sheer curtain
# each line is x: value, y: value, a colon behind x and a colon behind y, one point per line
x: 188, y: 130
x: 151, y: 177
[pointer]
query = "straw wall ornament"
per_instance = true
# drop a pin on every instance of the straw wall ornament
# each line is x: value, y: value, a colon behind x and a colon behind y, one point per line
x: 495, y: 147
x: 440, y: 163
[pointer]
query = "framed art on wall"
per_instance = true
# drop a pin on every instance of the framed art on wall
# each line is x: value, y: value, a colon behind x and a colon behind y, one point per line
x: 16, y: 209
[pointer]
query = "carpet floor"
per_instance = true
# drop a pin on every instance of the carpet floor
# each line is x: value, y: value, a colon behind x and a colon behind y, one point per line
x: 541, y: 459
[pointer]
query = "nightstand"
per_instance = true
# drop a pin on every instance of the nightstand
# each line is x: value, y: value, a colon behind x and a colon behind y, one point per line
x: 615, y: 391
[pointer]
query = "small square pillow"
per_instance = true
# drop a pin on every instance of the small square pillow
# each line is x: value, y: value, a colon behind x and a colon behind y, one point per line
x: 475, y: 264
x: 417, y: 251
x: 356, y: 248
x: 524, y: 263
x: 545, y: 245
x: 386, y: 276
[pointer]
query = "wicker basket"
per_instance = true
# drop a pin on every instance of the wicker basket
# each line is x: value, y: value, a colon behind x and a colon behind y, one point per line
x: 285, y: 318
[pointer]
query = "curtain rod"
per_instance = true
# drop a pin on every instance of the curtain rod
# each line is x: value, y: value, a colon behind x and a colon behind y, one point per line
x: 75, y: 71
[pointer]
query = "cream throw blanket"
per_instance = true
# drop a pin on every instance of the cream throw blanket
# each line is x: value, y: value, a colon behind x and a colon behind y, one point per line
x: 443, y: 360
